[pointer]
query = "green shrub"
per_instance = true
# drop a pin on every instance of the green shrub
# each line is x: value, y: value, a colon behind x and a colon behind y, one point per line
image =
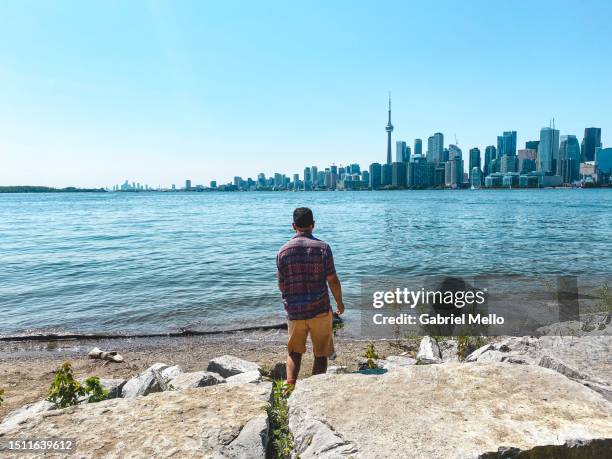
x: 96, y: 391
x: 283, y: 443
x: 1, y: 396
x: 65, y: 390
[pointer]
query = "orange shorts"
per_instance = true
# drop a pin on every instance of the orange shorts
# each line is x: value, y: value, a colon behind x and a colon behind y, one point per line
x: 320, y: 329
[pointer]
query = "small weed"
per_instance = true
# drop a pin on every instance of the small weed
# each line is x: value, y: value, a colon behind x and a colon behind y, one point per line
x: 604, y: 297
x: 283, y: 443
x: 468, y: 344
x: 371, y: 355
x: 1, y: 396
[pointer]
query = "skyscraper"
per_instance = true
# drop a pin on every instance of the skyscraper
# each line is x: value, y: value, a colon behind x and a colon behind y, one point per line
x: 474, y: 163
x: 532, y: 145
x: 418, y: 147
x: 548, y: 150
x: 400, y: 151
x: 375, y: 175
x: 315, y: 175
x: 591, y: 141
x: 506, y: 144
x: 568, y: 165
x: 389, y: 129
x: 435, y: 148
x: 490, y: 156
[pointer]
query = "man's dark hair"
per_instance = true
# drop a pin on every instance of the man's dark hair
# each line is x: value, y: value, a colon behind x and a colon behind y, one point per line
x: 302, y: 217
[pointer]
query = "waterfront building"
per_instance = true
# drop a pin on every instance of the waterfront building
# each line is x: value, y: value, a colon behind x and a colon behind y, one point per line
x: 590, y: 142
x: 420, y: 172
x: 389, y: 130
x: 528, y: 181
x: 328, y: 179
x: 386, y: 175
x: 435, y: 148
x: 548, y: 150
x: 453, y: 172
x: 490, y: 155
x: 307, y: 178
x: 494, y: 180
x: 511, y: 180
x: 400, y: 151
x: 375, y: 176
x: 314, y: 171
x: 320, y: 178
x: 475, y: 177
x: 439, y: 180
x: 279, y: 181
x: 365, y: 177
x: 398, y: 174
x: 418, y: 147
x: 506, y: 144
x: 568, y: 165
x: 187, y: 185
x: 508, y: 163
x: 603, y: 164
x: 474, y: 162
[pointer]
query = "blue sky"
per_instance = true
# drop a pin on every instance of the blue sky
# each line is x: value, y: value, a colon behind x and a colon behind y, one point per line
x: 97, y: 92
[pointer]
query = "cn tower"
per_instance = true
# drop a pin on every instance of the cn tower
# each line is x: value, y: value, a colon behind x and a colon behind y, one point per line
x: 389, y: 129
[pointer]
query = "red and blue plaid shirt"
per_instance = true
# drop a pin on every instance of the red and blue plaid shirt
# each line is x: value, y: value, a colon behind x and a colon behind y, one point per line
x: 303, y: 266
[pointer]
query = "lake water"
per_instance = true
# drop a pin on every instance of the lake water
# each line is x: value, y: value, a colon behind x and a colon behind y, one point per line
x: 155, y: 262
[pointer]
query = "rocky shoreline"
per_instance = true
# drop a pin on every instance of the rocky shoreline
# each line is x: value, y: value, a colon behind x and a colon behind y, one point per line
x: 511, y: 397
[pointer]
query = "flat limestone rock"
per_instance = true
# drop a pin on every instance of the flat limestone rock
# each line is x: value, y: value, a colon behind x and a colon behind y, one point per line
x: 451, y: 410
x: 196, y: 379
x: 228, y: 365
x: 215, y: 421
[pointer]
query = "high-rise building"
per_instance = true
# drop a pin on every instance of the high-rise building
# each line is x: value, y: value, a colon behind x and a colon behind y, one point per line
x: 506, y: 144
x: 453, y: 172
x: 527, y: 160
x: 603, y: 163
x: 476, y: 177
x: 568, y: 165
x: 375, y: 175
x: 279, y: 181
x: 389, y: 129
x: 548, y: 150
x: 508, y: 163
x: 407, y: 154
x: 365, y: 177
x: 474, y: 162
x: 188, y: 184
x: 591, y: 141
x: 315, y: 175
x: 532, y: 145
x: 490, y: 156
x: 420, y: 172
x: 454, y: 152
x: 418, y: 147
x: 435, y: 148
x: 398, y: 174
x: 400, y: 151
x: 386, y: 174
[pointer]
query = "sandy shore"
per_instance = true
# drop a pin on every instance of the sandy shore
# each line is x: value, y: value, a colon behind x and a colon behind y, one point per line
x: 26, y: 368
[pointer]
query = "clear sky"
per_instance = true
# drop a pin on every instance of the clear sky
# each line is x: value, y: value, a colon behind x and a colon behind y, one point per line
x: 96, y: 92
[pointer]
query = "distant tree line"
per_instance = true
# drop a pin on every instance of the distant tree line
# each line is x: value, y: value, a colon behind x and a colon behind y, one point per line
x: 46, y: 189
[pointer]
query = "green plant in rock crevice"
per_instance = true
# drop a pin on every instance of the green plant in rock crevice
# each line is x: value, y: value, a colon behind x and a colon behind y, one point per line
x: 371, y: 355
x: 1, y: 396
x: 66, y: 391
x: 283, y: 443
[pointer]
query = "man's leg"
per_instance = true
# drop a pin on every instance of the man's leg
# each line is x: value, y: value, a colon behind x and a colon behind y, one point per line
x: 319, y: 366
x: 322, y: 341
x: 294, y: 362
x: 296, y: 346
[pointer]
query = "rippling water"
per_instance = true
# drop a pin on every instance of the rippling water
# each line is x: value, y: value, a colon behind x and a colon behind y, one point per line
x: 154, y: 262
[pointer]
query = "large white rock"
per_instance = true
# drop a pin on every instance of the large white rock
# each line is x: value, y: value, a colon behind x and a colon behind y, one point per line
x: 196, y: 379
x: 21, y: 415
x: 429, y: 351
x: 451, y: 410
x: 395, y: 362
x: 245, y: 378
x: 228, y: 365
x: 210, y: 422
x: 147, y: 382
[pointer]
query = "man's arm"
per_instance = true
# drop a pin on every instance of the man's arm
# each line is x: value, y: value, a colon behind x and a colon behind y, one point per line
x: 336, y: 289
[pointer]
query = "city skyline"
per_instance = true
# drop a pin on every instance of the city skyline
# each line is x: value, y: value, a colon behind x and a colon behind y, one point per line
x: 212, y: 91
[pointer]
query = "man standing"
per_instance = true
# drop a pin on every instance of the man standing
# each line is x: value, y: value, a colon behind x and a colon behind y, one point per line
x: 305, y: 269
